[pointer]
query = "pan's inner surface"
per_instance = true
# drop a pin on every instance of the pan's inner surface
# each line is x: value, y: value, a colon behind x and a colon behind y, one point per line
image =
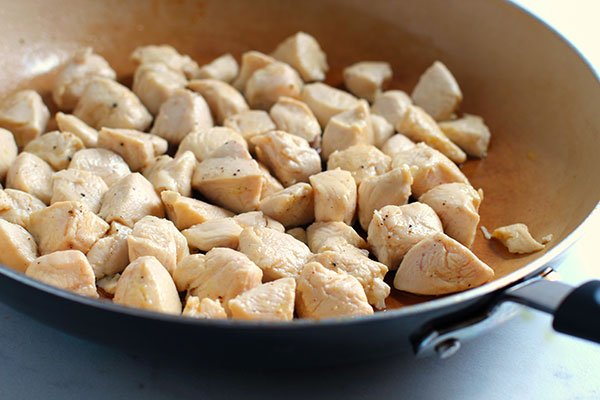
x: 536, y: 95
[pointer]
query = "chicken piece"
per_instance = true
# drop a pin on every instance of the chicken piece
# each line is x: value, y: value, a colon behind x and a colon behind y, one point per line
x: 439, y: 265
x: 129, y: 200
x: 322, y: 293
x: 391, y: 105
x: 391, y: 188
x: 78, y: 185
x: 68, y: 270
x: 270, y: 184
x: 302, y: 51
x: 110, y: 254
x: 76, y: 74
x: 104, y: 163
x: 268, y: 84
x: 223, y: 68
x: 366, y: 79
x: 326, y: 101
x: 25, y: 115
x: 182, y: 113
x: 517, y: 239
x: 138, y: 149
x: 382, y: 130
x: 252, y: 61
x: 8, y: 152
x: 428, y: 167
x: 186, y: 212
x: 32, y: 175
x: 295, y: 117
x: 206, y: 309
x: 334, y: 195
x: 457, y: 205
x: 418, y: 126
x: 231, y: 149
x: 233, y: 183
x: 222, y: 98
x: 250, y: 123
x: 323, y: 236
x: 397, y: 144
x: 146, y: 284
x: 56, y: 148
x: 17, y: 246
x: 217, y: 232
x: 188, y: 270
x: 470, y: 133
x: 16, y: 206
x: 166, y: 55
x: 278, y: 254
x: 257, y: 218
x: 167, y: 173
x: 154, y: 83
x: 290, y: 157
x: 437, y: 92
x: 346, y: 129
x: 72, y: 124
x: 292, y: 206
x: 107, y: 286
x: 298, y: 234
x: 204, y: 143
x: 272, y: 301
x: 361, y: 160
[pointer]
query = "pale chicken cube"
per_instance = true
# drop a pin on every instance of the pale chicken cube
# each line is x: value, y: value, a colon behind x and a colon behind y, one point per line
x: 252, y: 61
x: 397, y: 144
x: 17, y: 246
x: 72, y: 79
x: 382, y: 130
x: 428, y: 167
x: 56, y: 148
x: 292, y: 206
x: 395, y: 229
x: 107, y: 286
x: 391, y: 188
x: 218, y: 232
x: 167, y: 173
x: 223, y: 99
x: 231, y: 149
x: 186, y: 212
x: 322, y: 293
x: 68, y: 270
x: 302, y: 51
x: 32, y: 175
x: 334, y: 196
x: 138, y: 149
x: 25, y: 115
x: 470, y: 133
x: 8, y: 152
x: 110, y: 254
x: 258, y: 218
x: 182, y: 113
x: 361, y: 160
x: 293, y: 116
x: 250, y: 123
x: 67, y: 225
x: 78, y: 185
x: 517, y: 239
x: 277, y: 254
x: 290, y: 157
x: 203, y: 143
x: 223, y: 68
x: 298, y: 233
x: 326, y: 101
x: 270, y: 184
x: 457, y: 205
x: 72, y: 124
x: 16, y: 206
x: 272, y: 301
x: 440, y: 265
x: 106, y: 164
x: 205, y: 308
x: 131, y: 199
x: 366, y: 79
x: 188, y: 270
x: 323, y: 236
x: 154, y: 83
x: 391, y: 105
x: 166, y: 55
x: 437, y: 92
x: 146, y: 284
x: 268, y: 84
x: 346, y: 129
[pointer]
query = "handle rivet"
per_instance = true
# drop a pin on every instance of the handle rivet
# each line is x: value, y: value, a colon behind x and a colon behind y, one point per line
x: 447, y: 348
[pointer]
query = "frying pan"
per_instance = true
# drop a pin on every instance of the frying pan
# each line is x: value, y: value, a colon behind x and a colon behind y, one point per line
x: 538, y: 96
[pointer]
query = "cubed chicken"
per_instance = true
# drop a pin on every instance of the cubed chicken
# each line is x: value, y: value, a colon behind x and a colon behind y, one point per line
x: 188, y: 270
x: 78, y: 185
x: 298, y: 233
x: 346, y: 129
x: 204, y: 309
x: 334, y: 195
x: 154, y: 83
x: 138, y: 149
x: 17, y: 246
x: 250, y: 123
x: 106, y: 164
x: 25, y: 115
x: 16, y: 206
x: 110, y: 254
x: 292, y: 206
x: 395, y: 229
x: 8, y: 152
x: 204, y: 143
x: 302, y: 51
x: 167, y: 173
x: 437, y: 92
x: 166, y: 55
x: 186, y: 212
x: 258, y: 218
x: 268, y: 84
x: 361, y: 160
x: 397, y: 144
x: 223, y: 68
x: 323, y: 236
x: 223, y: 99
x: 391, y: 105
x: 326, y: 101
x: 439, y: 265
x: 517, y: 239
x: 72, y: 124
x: 217, y: 232
x: 252, y: 61
x: 470, y: 133
x: 107, y: 286
x: 382, y: 130
x: 366, y: 79
x: 32, y: 175
x: 295, y: 117
x: 56, y: 148
x: 231, y: 149
x: 270, y: 184
x: 272, y: 301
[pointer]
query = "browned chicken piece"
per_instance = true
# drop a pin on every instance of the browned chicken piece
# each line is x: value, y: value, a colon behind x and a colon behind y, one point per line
x: 395, y: 229
x: 428, y: 167
x: 166, y: 55
x: 188, y: 270
x: 326, y: 101
x: 205, y: 309
x: 366, y: 79
x: 154, y: 83
x: 298, y: 233
x: 457, y: 205
x: 391, y: 105
x: 72, y: 124
x: 361, y: 160
x: 68, y: 270
x: 295, y: 117
x: 267, y: 84
x: 186, y: 212
x: 391, y: 188
x: 270, y: 184
x: 397, y: 144
x: 17, y: 246
x: 223, y: 68
x: 439, y: 265
x: 137, y: 148
x: 67, y: 225
x: 146, y: 284
x: 272, y: 301
x: 302, y: 51
x: 250, y: 123
x: 110, y: 254
x: 334, y: 196
x: 108, y: 285
x: 106, y: 103
x: 16, y: 206
x: 223, y: 99
x: 290, y: 157
x: 292, y: 206
x: 470, y: 133
x: 78, y: 185
x: 278, y: 254
x: 204, y: 143
x: 56, y: 148
x: 323, y: 236
x: 437, y: 92
x: 218, y: 232
x: 32, y: 175
x: 167, y: 173
x: 322, y: 293
x: 382, y: 130
x: 131, y: 199
x: 258, y: 218
x: 517, y: 239
x: 106, y: 164
x: 8, y: 152
x: 252, y: 61
x: 346, y: 129
x: 25, y: 115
